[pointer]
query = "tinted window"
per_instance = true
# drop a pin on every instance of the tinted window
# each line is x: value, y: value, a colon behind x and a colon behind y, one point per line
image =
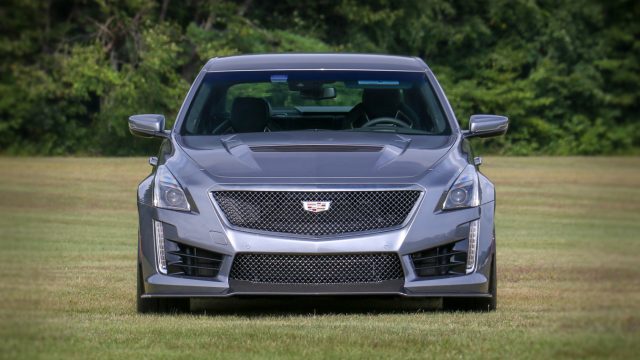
x: 235, y: 102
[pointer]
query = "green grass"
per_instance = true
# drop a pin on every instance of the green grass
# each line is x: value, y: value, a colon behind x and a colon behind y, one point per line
x: 568, y: 265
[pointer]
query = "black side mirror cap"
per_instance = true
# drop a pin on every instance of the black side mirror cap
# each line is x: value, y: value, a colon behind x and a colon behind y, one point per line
x: 487, y: 126
x: 148, y: 125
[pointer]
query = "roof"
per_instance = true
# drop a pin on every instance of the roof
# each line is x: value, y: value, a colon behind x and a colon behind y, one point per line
x: 316, y: 62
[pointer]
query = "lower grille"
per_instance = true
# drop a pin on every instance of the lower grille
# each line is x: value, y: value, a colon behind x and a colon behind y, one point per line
x: 184, y: 260
x: 316, y: 269
x: 444, y: 260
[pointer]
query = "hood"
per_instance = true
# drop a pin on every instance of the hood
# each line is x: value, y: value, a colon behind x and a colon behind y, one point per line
x: 316, y: 154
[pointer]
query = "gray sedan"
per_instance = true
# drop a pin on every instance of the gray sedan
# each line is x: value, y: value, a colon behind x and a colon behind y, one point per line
x: 316, y: 174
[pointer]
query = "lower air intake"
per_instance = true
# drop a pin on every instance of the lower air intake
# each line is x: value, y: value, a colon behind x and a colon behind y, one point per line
x: 450, y: 259
x: 184, y: 260
x: 316, y: 269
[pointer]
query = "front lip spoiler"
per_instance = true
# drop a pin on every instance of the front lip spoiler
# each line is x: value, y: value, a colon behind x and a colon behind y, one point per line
x: 248, y: 293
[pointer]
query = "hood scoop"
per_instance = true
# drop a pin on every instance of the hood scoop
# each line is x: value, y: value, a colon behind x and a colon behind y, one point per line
x: 315, y: 157
x: 316, y: 148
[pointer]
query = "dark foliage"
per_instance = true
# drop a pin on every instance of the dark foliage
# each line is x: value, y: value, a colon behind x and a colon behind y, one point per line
x: 567, y: 73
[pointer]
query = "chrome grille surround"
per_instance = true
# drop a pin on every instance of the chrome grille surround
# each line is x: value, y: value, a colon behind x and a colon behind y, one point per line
x: 316, y: 269
x: 351, y: 211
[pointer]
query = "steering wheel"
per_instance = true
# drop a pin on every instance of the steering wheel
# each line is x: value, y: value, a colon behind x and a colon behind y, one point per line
x: 386, y: 120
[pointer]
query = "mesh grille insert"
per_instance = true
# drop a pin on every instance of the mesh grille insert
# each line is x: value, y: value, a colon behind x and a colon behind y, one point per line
x: 316, y: 269
x: 348, y: 211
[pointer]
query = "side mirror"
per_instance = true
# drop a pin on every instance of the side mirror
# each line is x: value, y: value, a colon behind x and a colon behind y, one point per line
x: 147, y: 125
x: 487, y: 126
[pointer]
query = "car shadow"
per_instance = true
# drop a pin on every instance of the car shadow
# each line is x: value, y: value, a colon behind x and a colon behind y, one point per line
x: 311, y: 305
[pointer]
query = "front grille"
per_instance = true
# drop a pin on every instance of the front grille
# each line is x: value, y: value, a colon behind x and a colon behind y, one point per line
x: 316, y: 269
x: 349, y: 211
x: 444, y: 260
x: 184, y: 260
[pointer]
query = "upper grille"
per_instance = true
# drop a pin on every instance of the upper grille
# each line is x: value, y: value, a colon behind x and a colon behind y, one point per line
x: 349, y: 211
x: 316, y: 269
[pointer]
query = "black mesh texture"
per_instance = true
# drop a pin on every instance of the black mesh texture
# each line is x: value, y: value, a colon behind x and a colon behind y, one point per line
x: 283, y: 212
x: 316, y: 269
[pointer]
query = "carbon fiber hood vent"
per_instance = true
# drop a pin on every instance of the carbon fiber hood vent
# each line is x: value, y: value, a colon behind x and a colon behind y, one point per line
x: 316, y: 155
x: 316, y: 148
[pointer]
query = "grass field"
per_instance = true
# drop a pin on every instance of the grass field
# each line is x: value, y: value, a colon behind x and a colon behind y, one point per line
x: 568, y: 267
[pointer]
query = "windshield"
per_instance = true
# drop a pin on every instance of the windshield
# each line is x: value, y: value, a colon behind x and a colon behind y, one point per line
x: 265, y: 101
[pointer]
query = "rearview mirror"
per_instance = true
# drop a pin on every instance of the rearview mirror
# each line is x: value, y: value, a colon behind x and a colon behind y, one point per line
x: 487, y: 125
x: 147, y: 125
x: 320, y: 93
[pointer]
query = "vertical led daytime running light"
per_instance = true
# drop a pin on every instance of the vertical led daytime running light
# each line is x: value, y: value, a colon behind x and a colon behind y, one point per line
x: 159, y: 235
x: 473, y: 245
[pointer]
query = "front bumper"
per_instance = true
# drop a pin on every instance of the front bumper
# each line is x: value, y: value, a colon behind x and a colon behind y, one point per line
x: 443, y: 228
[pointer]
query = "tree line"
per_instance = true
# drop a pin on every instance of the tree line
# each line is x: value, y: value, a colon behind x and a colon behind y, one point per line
x: 567, y: 73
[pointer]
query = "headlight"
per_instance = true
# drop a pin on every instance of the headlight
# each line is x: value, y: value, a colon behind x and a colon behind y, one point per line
x: 464, y: 191
x: 167, y: 192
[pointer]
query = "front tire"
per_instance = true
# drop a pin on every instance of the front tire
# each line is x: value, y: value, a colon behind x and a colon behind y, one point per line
x: 477, y: 304
x: 158, y: 305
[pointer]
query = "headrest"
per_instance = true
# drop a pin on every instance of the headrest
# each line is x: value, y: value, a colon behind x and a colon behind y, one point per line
x: 249, y: 114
